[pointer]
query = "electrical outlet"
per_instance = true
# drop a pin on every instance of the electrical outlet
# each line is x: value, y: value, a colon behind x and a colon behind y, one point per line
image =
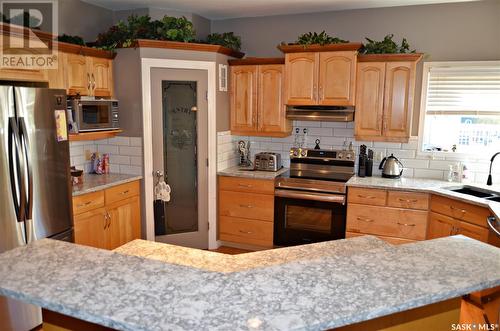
x: 88, y: 155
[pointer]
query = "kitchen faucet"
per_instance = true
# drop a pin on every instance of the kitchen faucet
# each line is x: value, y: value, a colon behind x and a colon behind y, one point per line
x: 490, y: 180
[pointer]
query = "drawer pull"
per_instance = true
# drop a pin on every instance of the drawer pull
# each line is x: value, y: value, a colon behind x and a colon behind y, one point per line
x: 406, y: 224
x: 366, y: 196
x: 124, y: 192
x: 408, y: 200
x: 368, y: 220
x: 85, y: 204
x: 246, y: 206
x: 463, y: 211
x: 245, y: 232
x: 244, y: 185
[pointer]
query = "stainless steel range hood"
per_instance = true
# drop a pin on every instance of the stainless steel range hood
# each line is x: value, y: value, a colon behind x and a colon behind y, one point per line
x: 320, y: 113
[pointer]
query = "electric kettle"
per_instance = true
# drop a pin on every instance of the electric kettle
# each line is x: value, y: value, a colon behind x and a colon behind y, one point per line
x: 391, y: 167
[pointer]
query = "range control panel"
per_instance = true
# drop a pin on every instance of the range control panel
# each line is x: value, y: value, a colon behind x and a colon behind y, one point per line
x: 321, y: 154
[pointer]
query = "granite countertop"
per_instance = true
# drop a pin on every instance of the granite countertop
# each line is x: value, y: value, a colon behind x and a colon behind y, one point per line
x: 219, y: 262
x: 93, y: 182
x: 239, y: 172
x: 438, y: 187
x: 134, y: 293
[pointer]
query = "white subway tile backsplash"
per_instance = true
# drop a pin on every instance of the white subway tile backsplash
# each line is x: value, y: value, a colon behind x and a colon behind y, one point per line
x: 109, y: 149
x: 136, y: 141
x: 76, y: 150
x: 401, y: 153
x: 429, y: 173
x: 333, y: 124
x: 136, y: 160
x: 119, y: 159
x: 119, y: 140
x: 387, y: 144
x: 131, y: 170
x: 339, y: 132
x: 130, y: 151
x: 415, y: 163
x: 325, y: 132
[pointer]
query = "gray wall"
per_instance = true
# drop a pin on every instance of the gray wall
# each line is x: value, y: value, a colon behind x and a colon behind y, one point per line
x: 128, y: 88
x: 82, y: 19
x: 457, y: 31
x: 445, y: 32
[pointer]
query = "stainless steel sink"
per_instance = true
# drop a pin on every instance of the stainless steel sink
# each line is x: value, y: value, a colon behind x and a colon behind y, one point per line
x: 476, y: 192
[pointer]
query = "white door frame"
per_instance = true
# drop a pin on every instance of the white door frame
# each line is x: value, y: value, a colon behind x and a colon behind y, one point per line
x: 147, y: 64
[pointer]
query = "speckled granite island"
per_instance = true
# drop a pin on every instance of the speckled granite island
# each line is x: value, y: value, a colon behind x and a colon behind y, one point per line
x: 341, y: 286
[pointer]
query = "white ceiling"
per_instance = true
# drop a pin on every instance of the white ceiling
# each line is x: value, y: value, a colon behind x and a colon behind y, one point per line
x: 221, y: 9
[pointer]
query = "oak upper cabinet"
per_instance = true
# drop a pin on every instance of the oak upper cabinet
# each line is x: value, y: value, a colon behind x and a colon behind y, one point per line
x: 270, y: 103
x: 337, y: 78
x: 385, y: 90
x: 77, y: 77
x: 101, y: 76
x: 257, y: 103
x: 398, y: 98
x: 243, y: 98
x: 370, y: 99
x: 87, y: 75
x: 301, y: 78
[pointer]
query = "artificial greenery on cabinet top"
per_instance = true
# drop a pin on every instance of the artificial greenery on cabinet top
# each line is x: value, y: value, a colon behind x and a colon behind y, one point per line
x: 315, y: 38
x: 169, y: 28
x: 386, y: 46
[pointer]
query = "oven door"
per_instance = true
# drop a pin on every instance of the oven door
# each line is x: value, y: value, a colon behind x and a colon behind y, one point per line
x: 94, y: 115
x: 305, y: 217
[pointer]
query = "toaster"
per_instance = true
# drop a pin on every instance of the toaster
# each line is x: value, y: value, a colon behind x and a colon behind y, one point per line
x: 267, y: 161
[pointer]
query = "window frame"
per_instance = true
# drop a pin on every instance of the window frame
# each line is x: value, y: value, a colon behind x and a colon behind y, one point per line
x: 423, y: 102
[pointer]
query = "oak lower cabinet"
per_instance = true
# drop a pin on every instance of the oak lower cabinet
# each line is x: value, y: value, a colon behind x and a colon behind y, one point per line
x: 450, y: 217
x: 397, y: 217
x: 246, y: 211
x: 108, y: 219
x: 321, y: 78
x: 257, y: 104
x: 385, y: 97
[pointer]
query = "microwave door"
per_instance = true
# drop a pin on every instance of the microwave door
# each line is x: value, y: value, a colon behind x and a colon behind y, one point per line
x: 94, y: 116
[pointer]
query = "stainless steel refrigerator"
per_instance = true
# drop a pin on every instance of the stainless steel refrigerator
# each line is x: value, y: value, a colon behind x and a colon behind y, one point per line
x: 35, y: 187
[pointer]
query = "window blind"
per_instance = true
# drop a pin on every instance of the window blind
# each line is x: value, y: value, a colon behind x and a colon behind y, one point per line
x: 464, y: 90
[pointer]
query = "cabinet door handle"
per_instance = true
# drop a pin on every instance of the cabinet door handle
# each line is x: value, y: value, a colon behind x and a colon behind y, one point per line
x: 315, y: 92
x: 408, y: 200
x: 93, y: 82
x: 368, y: 220
x: 406, y: 224
x: 366, y: 196
x: 463, y: 211
x: 88, y: 82
x: 85, y: 204
x: 245, y: 232
x: 244, y: 185
x: 246, y: 206
x: 105, y: 220
x: 124, y: 192
x: 321, y: 93
x: 109, y: 220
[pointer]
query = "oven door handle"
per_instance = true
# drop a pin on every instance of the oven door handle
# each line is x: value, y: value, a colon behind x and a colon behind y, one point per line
x: 313, y: 196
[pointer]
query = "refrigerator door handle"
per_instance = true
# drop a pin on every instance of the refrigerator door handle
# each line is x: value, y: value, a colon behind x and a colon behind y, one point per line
x: 17, y: 174
x: 26, y: 149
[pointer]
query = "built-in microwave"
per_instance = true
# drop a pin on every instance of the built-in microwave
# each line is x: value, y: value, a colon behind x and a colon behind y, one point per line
x: 93, y: 115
